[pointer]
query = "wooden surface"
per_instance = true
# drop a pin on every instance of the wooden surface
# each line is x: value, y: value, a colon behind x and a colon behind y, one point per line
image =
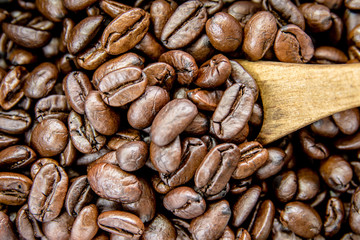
x: 295, y: 95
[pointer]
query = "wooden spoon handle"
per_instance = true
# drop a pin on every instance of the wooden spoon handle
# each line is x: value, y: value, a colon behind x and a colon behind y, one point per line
x: 295, y: 95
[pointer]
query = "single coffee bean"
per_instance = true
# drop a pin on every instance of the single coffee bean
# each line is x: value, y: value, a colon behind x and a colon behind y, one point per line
x: 121, y: 223
x: 347, y: 121
x: 216, y: 168
x: 150, y: 47
x: 354, y: 215
x: 17, y: 156
x: 311, y: 147
x: 26, y: 224
x: 54, y: 10
x: 302, y: 219
x: 132, y: 155
x: 22, y: 57
x: 243, y: 10
x: 160, y: 12
x: 325, y: 127
x: 41, y: 80
x: 74, y: 5
x: 285, y: 186
x: 112, y: 183
x: 335, y: 214
x: 224, y: 32
x: 6, y: 228
x: 199, y: 126
x: 212, y: 223
x: 48, y: 192
x: 159, y: 228
x: 113, y: 8
x: 78, y: 195
x: 205, y: 100
x: 273, y: 165
x: 185, y: 25
x: 59, y: 228
x: 52, y: 107
x: 184, y: 202
x: 263, y: 221
x: 49, y: 137
x: 85, y: 225
x: 201, y: 49
x: 171, y: 120
x: 92, y: 57
x: 125, y: 31
x: 329, y: 55
x: 160, y: 74
x: 308, y: 184
x: 240, y: 75
x: 14, y: 188
x: 14, y: 121
x: 317, y: 16
x: 7, y: 140
x: 35, y: 168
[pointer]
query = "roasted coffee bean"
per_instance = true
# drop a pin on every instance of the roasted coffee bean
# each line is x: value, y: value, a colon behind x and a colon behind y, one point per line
x: 325, y: 127
x: 121, y: 223
x: 22, y: 57
x: 7, y: 140
x: 224, y: 32
x: 83, y: 32
x: 159, y: 228
x: 14, y: 188
x: 112, y: 183
x: 113, y: 8
x: 232, y: 112
x: 49, y: 137
x: 59, y: 228
x: 253, y: 156
x: 11, y: 90
x: 48, y: 192
x: 125, y: 31
x: 213, y: 72
x: 212, y: 223
x: 335, y: 214
x: 184, y: 64
x: 54, y: 10
x: 205, y: 100
x: 142, y: 111
x: 17, y: 156
x: 35, y: 168
x: 199, y: 126
x: 348, y: 121
x: 160, y: 74
x: 27, y: 225
x: 92, y: 57
x: 150, y: 47
x: 291, y: 39
x: 308, y: 184
x: 185, y: 25
x: 317, y: 16
x: 160, y: 12
x: 273, y: 164
x: 257, y: 42
x: 6, y: 228
x: 14, y: 121
x: 216, y: 168
x: 52, y: 107
x: 83, y: 135
x: 240, y: 75
x: 329, y: 55
x: 171, y: 120
x: 78, y: 195
x: 336, y: 172
x: 201, y: 49
x: 302, y: 219
x: 76, y: 87
x: 354, y: 215
x: 264, y: 218
x: 184, y: 202
x: 311, y: 147
x: 243, y: 10
x: 213, y: 6
x: 85, y: 225
x: 285, y: 186
x: 123, y: 137
x: 74, y: 5
x: 132, y: 155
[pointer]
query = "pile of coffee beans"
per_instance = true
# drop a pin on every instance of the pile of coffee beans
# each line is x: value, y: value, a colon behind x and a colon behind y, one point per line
x: 132, y: 120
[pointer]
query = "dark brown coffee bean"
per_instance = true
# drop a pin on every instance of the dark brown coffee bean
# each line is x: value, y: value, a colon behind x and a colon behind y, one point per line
x: 150, y: 47
x: 263, y: 222
x: 7, y: 140
x: 216, y: 168
x: 166, y: 159
x: 184, y: 64
x: 171, y: 120
x: 311, y: 147
x: 112, y: 183
x: 54, y: 10
x: 11, y: 90
x: 184, y: 202
x: 293, y: 45
x: 273, y: 165
x: 354, y: 215
x: 35, y: 168
x: 132, y: 155
x: 302, y: 219
x: 213, y: 72
x: 212, y: 223
x: 143, y: 110
x: 76, y: 87
x: 22, y: 57
x: 83, y: 135
x: 205, y: 100
x: 244, y: 205
x: 336, y: 172
x: 193, y: 150
x: 75, y: 5
x: 52, y: 107
x: 257, y: 42
x: 160, y: 12
x: 125, y: 31
x: 83, y: 32
x: 41, y: 80
x: 243, y: 10
x: 59, y: 228
x: 308, y: 184
x: 145, y: 207
x: 159, y: 186
x: 184, y: 25
x: 159, y: 228
x: 27, y: 225
x: 328, y: 55
x: 6, y: 228
x: 213, y: 6
x: 78, y: 195
x: 199, y: 126
x: 24, y: 36
x: 121, y: 223
x: 233, y: 112
x: 49, y: 137
x: 14, y: 121
x: 113, y: 8
x: 14, y: 188
x: 201, y: 49
x: 92, y: 57
x: 224, y: 32
x: 317, y: 16
x: 285, y: 186
x: 240, y: 75
x: 325, y: 127
x: 253, y: 156
x: 160, y: 74
x: 17, y: 156
x: 335, y: 214
x: 103, y: 118
x: 85, y: 225
x: 48, y: 192
x: 348, y: 121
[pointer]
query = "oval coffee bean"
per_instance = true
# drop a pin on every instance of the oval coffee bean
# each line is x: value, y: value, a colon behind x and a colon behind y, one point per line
x: 125, y: 31
x: 184, y: 202
x: 48, y: 192
x: 14, y: 188
x: 27, y: 225
x: 308, y: 184
x: 14, y: 121
x: 335, y: 214
x: 285, y: 186
x: 17, y: 156
x: 59, y: 228
x: 112, y: 183
x: 171, y: 120
x: 85, y: 225
x: 160, y: 74
x: 53, y: 106
x: 132, y: 155
x: 121, y: 223
x: 354, y: 215
x: 6, y: 228
x: 263, y: 221
x: 159, y: 228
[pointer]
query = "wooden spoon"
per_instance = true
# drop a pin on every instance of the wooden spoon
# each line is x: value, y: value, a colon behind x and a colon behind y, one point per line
x: 296, y: 95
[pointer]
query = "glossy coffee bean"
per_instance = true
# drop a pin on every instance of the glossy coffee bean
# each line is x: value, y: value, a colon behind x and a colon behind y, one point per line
x: 17, y: 156
x: 85, y: 225
x: 159, y: 228
x: 14, y: 188
x: 132, y: 155
x: 27, y: 226
x: 264, y: 218
x: 52, y: 107
x: 15, y: 121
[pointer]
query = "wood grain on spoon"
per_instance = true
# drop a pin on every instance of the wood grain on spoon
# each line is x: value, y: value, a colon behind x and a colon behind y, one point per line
x: 296, y: 95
